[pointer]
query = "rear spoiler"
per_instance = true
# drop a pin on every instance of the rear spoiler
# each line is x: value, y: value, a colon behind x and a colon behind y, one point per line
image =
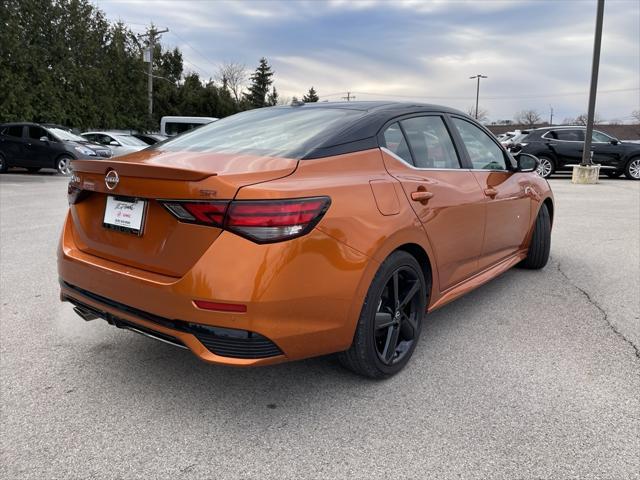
x: 135, y: 169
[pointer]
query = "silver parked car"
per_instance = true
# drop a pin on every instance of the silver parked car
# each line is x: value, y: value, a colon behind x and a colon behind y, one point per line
x: 120, y: 143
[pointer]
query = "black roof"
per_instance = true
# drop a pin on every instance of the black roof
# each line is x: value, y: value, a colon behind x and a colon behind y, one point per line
x: 361, y: 134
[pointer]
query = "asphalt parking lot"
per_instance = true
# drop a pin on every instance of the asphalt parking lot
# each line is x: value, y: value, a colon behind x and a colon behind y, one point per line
x: 534, y: 375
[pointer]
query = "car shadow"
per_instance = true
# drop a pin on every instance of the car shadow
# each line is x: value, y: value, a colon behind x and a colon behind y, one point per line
x: 148, y: 370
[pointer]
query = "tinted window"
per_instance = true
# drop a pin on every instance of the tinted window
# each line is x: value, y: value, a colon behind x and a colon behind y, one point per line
x: 430, y: 142
x: 567, y: 135
x: 394, y: 140
x: 130, y: 140
x: 15, y: 131
x: 600, y: 137
x: 36, y: 132
x: 484, y: 153
x: 290, y: 132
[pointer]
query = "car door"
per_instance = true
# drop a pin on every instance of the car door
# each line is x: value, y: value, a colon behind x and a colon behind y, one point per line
x: 39, y: 151
x: 421, y: 155
x: 605, y: 152
x: 13, y: 145
x: 508, y: 204
x: 567, y: 145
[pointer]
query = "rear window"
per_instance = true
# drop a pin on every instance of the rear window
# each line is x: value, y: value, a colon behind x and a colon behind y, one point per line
x: 289, y: 132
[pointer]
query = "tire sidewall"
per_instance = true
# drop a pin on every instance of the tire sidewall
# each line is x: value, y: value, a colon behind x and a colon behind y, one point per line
x: 627, y: 169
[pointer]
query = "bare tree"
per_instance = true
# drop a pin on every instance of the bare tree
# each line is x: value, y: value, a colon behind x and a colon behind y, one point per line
x: 582, y: 119
x: 635, y: 115
x: 483, y: 114
x: 528, y: 117
x: 233, y: 77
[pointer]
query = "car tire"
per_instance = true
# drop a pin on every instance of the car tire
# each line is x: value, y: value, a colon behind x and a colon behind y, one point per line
x: 384, y: 320
x: 613, y: 173
x: 546, y: 166
x: 540, y: 246
x: 33, y: 169
x: 632, y: 170
x: 3, y: 164
x: 63, y: 165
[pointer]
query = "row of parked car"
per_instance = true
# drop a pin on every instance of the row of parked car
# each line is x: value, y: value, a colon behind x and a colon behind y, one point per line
x: 35, y: 146
x: 560, y: 148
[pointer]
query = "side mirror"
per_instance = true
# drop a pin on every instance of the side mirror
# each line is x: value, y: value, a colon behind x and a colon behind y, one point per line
x: 614, y: 141
x: 527, y: 162
x: 43, y: 139
x: 114, y: 143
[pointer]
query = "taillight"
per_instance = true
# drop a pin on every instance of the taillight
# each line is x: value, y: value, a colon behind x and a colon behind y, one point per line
x: 204, y: 213
x: 262, y: 221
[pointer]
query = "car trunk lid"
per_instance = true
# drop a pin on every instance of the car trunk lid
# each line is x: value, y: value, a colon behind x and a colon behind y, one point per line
x: 165, y: 246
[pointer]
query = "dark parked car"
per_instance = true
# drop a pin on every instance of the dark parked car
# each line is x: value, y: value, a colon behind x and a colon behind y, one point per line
x: 150, y: 138
x: 559, y: 148
x: 34, y: 146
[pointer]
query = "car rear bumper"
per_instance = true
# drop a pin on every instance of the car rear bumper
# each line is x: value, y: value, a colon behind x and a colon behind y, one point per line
x: 302, y: 297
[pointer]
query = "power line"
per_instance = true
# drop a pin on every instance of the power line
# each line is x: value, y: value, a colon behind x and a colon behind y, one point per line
x: 495, y: 97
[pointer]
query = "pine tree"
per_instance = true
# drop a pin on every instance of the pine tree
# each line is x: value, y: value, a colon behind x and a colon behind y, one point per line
x: 260, y: 82
x: 310, y: 97
x: 273, y: 97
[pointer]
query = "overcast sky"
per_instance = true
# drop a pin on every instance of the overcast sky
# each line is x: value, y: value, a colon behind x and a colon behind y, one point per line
x: 536, y: 53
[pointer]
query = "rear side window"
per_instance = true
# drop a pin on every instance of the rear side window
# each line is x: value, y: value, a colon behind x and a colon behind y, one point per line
x: 483, y: 152
x: 395, y: 142
x: 14, y: 131
x: 290, y: 132
x: 430, y: 142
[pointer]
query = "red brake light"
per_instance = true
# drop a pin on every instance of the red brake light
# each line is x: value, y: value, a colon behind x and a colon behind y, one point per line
x: 262, y: 221
x: 266, y: 221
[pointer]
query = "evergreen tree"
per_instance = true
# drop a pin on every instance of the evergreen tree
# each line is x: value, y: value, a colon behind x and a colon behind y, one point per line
x: 260, y: 82
x: 273, y: 97
x: 311, y: 97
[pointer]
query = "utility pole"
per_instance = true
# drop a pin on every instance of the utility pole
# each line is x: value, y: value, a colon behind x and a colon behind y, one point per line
x: 349, y: 97
x: 595, y: 65
x: 478, y: 76
x: 550, y: 115
x: 153, y: 36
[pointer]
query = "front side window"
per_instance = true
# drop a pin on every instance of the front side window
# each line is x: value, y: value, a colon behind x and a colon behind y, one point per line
x: 600, y: 137
x: 36, y: 133
x: 484, y: 153
x: 395, y: 142
x: 430, y: 142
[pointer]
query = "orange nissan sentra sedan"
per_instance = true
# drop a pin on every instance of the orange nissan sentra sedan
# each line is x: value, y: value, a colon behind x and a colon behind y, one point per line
x: 290, y: 232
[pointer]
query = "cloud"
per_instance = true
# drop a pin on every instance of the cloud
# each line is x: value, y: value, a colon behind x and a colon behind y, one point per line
x: 415, y: 49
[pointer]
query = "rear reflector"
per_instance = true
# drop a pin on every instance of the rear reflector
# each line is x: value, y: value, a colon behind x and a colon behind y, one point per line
x: 262, y: 221
x: 220, y: 307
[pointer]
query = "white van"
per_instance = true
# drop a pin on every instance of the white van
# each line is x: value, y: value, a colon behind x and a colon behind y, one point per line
x: 172, y: 126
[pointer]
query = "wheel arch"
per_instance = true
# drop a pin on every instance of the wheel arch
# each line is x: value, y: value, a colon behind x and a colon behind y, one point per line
x: 423, y: 259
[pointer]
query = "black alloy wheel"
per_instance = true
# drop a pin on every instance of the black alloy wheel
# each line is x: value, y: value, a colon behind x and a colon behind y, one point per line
x: 397, y: 316
x: 391, y: 318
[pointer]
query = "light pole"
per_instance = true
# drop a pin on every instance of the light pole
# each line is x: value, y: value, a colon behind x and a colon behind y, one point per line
x: 478, y: 90
x: 586, y: 153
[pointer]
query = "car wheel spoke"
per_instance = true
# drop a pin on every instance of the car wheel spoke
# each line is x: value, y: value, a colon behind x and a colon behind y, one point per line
x: 409, y: 296
x: 391, y: 343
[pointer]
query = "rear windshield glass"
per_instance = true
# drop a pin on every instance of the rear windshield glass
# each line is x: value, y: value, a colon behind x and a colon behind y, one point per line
x: 130, y: 140
x: 289, y: 132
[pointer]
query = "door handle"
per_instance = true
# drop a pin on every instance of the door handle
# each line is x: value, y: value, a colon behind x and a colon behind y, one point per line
x: 421, y: 196
x: 490, y: 192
